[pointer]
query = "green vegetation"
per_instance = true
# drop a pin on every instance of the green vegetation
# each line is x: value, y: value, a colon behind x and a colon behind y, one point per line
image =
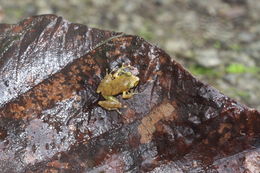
x: 236, y: 68
x: 233, y: 68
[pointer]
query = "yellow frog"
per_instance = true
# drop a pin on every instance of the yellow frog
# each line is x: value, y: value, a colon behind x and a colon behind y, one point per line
x: 116, y: 83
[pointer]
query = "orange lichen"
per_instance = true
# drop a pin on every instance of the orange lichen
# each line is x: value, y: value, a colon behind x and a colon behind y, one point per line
x: 225, y: 138
x: 224, y: 126
x: 165, y: 111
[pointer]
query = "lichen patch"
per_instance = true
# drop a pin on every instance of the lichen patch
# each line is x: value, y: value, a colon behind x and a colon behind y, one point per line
x: 165, y: 111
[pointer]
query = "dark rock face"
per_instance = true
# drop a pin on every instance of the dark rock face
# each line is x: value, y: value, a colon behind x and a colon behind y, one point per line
x: 50, y: 120
x: 38, y: 47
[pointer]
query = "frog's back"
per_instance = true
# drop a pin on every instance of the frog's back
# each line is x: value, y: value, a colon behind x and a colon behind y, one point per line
x: 117, y: 86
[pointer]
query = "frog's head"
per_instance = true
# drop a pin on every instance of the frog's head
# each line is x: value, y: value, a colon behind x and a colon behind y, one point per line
x: 133, y: 82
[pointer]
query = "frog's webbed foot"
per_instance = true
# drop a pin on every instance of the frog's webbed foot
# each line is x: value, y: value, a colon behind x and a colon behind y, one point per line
x: 101, y: 103
x: 127, y: 95
x: 118, y: 111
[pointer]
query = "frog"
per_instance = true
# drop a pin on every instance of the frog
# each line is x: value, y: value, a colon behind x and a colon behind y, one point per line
x: 115, y: 83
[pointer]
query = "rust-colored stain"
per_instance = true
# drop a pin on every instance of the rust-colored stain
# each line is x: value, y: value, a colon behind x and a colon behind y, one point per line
x: 146, y: 129
x: 51, y: 171
x: 58, y: 164
x: 129, y: 116
x: 224, y: 131
x: 224, y: 126
x: 225, y: 138
x: 17, y: 28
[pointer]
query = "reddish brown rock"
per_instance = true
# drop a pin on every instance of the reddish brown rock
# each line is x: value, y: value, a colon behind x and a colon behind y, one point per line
x: 50, y: 120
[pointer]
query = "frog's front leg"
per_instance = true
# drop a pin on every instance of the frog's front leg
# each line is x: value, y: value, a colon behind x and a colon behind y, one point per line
x: 111, y: 103
x: 127, y: 95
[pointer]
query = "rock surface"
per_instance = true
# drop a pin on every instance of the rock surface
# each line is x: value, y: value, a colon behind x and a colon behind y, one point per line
x: 50, y: 120
x: 183, y: 28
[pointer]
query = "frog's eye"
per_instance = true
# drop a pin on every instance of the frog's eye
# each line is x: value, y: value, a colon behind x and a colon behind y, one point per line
x: 128, y: 73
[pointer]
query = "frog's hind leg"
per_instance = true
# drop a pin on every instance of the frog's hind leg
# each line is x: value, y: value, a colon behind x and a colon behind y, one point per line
x: 111, y: 103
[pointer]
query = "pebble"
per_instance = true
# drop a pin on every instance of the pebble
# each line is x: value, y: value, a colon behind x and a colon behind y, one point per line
x: 207, y: 58
x: 246, y: 37
x: 176, y: 45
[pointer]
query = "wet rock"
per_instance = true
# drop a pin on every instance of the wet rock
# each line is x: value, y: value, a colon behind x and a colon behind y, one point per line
x: 40, y: 47
x: 3, y: 134
x: 53, y: 124
x: 248, y: 162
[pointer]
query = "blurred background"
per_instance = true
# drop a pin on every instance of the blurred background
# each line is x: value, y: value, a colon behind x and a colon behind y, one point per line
x: 218, y: 41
